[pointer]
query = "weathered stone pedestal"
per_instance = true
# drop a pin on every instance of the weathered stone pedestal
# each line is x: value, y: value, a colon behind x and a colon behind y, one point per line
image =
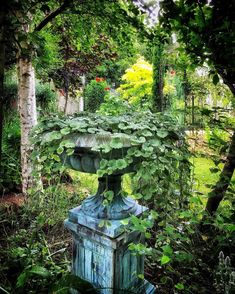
x: 101, y: 255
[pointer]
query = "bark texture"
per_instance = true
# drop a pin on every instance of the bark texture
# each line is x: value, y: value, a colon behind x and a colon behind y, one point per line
x: 218, y: 193
x: 28, y: 116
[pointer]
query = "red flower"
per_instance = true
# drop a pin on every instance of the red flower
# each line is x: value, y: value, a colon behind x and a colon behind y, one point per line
x: 107, y: 89
x: 172, y: 72
x: 97, y: 79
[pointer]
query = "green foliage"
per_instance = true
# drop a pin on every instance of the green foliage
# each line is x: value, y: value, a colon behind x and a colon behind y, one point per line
x: 46, y: 97
x: 113, y: 105
x: 11, y: 153
x: 35, y: 254
x: 94, y: 94
x: 224, y: 275
x: 157, y: 150
x: 10, y: 93
x: 136, y: 88
x: 192, y: 21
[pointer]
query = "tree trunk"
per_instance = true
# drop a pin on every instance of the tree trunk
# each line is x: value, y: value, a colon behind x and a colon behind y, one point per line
x: 28, y: 116
x: 193, y: 111
x: 157, y: 89
x: 218, y: 193
x: 2, y: 65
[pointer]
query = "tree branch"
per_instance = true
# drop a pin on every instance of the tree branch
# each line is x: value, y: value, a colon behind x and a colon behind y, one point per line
x: 52, y: 15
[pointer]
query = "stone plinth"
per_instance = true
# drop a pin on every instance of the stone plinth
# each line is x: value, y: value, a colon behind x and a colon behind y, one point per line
x: 101, y: 255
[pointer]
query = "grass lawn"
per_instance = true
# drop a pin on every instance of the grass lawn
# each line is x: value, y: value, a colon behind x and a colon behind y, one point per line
x: 202, y: 176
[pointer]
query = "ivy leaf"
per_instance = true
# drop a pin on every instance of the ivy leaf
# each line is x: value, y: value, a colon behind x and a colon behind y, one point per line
x: 116, y: 143
x: 165, y: 259
x: 60, y: 150
x: 65, y: 131
x: 162, y: 134
x: 139, y: 140
x: 55, y: 157
x: 109, y: 195
x: 103, y: 163
x: 100, y: 173
x: 167, y: 250
x: 125, y: 222
x: 147, y: 133
x: 49, y: 137
x: 155, y: 143
x: 43, y: 158
x: 121, y: 163
x: 179, y: 286
x: 67, y: 144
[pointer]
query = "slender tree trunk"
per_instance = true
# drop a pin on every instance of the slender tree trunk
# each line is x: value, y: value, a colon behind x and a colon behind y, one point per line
x: 158, y: 82
x: 28, y: 116
x: 193, y: 111
x: 2, y: 65
x: 218, y: 193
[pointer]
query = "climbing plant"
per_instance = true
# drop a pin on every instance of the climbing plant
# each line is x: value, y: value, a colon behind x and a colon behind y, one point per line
x: 157, y: 148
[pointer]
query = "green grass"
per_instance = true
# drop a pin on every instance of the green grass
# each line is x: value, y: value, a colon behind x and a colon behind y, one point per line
x: 202, y: 176
x: 89, y: 182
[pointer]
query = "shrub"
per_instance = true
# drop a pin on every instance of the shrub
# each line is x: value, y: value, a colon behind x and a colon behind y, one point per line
x: 94, y: 94
x: 11, y: 153
x: 45, y: 96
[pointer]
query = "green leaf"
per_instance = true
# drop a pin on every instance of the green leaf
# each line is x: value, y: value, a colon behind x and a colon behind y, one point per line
x: 167, y: 250
x: 165, y: 259
x: 69, y: 151
x: 162, y: 134
x: 147, y: 133
x: 60, y: 150
x: 67, y: 144
x: 125, y: 222
x: 43, y: 158
x: 49, y: 137
x: 22, y: 278
x: 141, y: 276
x: 121, y: 163
x: 40, y: 271
x: 116, y: 143
x: 65, y: 131
x: 155, y: 143
x: 179, y: 286
x: 109, y: 195
x: 55, y: 157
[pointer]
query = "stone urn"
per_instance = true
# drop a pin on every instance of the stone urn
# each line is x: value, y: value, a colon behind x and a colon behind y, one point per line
x: 86, y: 159
x: 100, y: 252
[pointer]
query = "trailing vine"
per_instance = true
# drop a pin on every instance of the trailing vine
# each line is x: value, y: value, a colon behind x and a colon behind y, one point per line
x: 157, y: 147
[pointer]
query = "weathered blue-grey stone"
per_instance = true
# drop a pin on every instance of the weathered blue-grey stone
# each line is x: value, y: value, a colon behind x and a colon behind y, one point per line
x: 102, y: 257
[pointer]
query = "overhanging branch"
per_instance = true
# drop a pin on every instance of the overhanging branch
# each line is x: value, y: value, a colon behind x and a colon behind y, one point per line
x: 52, y: 15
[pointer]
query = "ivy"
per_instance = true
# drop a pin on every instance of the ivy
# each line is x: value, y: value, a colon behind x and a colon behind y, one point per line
x: 156, y: 149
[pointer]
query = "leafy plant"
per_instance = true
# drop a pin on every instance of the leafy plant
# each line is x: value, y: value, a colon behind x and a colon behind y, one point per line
x: 225, y: 275
x: 137, y: 85
x: 113, y: 105
x: 11, y: 153
x: 157, y: 150
x: 45, y: 96
x: 94, y: 94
